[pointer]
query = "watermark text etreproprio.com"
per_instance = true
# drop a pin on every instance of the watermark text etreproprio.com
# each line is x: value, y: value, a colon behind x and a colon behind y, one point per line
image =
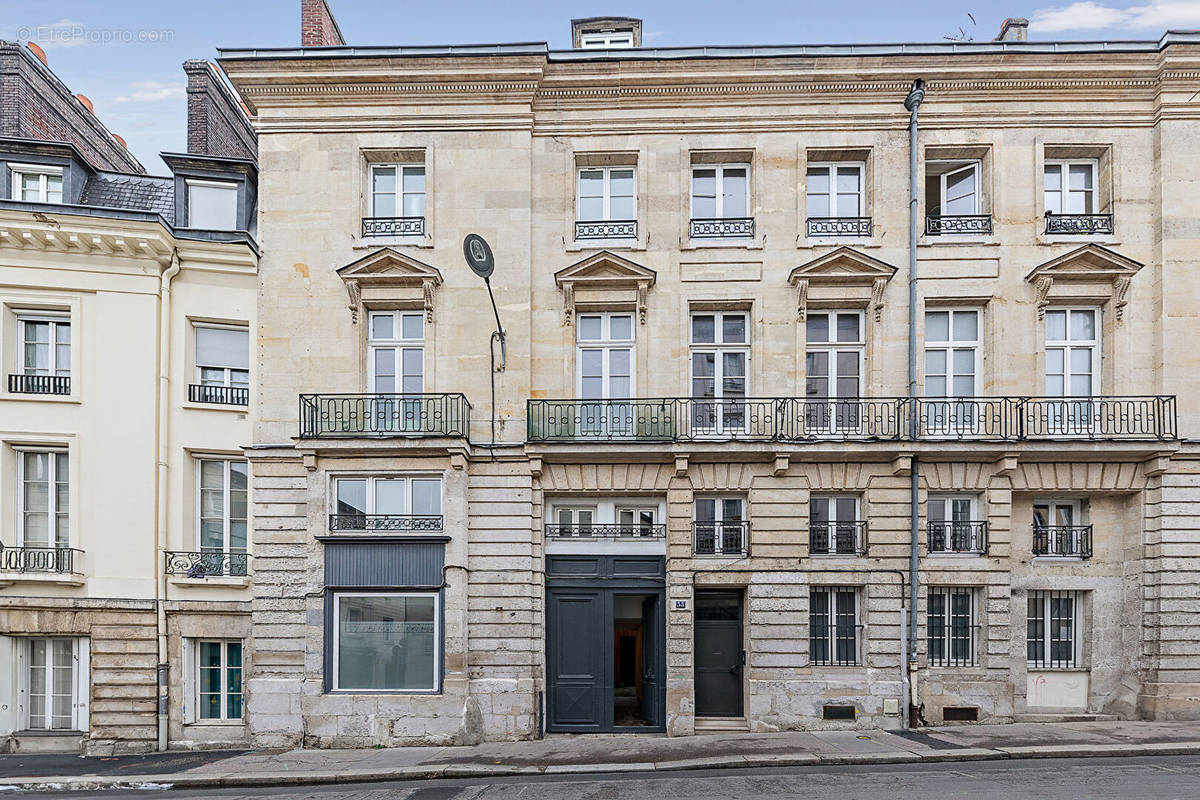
x: 66, y: 35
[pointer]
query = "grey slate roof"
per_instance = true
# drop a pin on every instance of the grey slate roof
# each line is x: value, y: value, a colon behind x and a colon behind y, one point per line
x: 133, y: 192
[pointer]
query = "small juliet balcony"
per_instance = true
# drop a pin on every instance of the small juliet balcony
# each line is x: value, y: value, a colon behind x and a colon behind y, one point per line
x: 605, y: 229
x: 384, y: 523
x: 218, y: 395
x: 1078, y: 224
x: 207, y: 566
x: 384, y: 415
x: 32, y: 564
x: 958, y: 225
x: 1062, y: 541
x: 392, y: 226
x: 837, y: 538
x: 721, y: 228
x: 39, y: 384
x: 594, y: 531
x: 717, y: 538
x: 852, y: 227
x: 958, y: 536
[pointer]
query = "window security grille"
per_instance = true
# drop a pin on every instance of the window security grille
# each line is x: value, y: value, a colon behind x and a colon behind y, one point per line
x: 1052, y: 629
x: 833, y: 629
x: 951, y: 627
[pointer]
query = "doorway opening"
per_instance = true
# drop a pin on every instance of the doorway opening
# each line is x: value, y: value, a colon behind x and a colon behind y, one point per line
x: 632, y: 616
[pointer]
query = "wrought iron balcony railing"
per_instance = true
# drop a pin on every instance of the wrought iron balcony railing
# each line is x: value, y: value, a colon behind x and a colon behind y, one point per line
x: 605, y: 229
x: 838, y: 226
x: 730, y: 538
x: 384, y: 415
x: 960, y: 224
x: 385, y: 522
x: 1066, y: 541
x: 39, y: 384
x: 837, y: 538
x: 220, y: 395
x: 722, y: 228
x: 208, y: 564
x: 586, y: 531
x: 393, y: 226
x: 1078, y: 224
x: 959, y: 536
x: 54, y: 560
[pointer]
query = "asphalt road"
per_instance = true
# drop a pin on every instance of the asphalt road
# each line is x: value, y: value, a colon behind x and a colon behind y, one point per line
x: 1152, y: 778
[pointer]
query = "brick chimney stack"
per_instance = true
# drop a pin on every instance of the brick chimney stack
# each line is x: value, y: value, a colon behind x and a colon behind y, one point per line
x: 1014, y: 29
x: 318, y: 28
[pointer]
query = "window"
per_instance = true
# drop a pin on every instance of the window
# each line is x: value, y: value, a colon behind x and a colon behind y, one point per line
x: 222, y: 363
x: 952, y: 356
x: 396, y: 352
x: 835, y: 190
x: 606, y: 39
x: 615, y: 517
x: 720, y: 351
x: 51, y: 677
x: 950, y: 623
x: 834, y: 526
x: 45, y: 357
x: 43, y: 499
x: 636, y: 521
x: 575, y: 520
x: 720, y: 526
x: 834, y: 356
x: 1052, y: 629
x: 406, y: 199
x: 222, y: 490
x: 387, y: 503
x: 1072, y: 345
x: 721, y: 191
x: 604, y: 358
x: 1059, y: 529
x: 833, y: 630
x: 212, y: 205
x: 1070, y: 187
x: 952, y: 188
x: 219, y: 680
x: 606, y: 193
x: 954, y: 525
x: 37, y: 184
x: 386, y: 642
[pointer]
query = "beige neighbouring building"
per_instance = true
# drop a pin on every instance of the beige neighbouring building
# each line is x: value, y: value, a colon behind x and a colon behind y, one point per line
x: 126, y: 306
x: 688, y: 506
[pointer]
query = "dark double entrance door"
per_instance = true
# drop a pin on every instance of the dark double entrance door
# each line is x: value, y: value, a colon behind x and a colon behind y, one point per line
x: 605, y: 644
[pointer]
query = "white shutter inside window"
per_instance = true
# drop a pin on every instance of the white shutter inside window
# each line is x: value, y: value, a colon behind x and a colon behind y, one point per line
x: 223, y: 347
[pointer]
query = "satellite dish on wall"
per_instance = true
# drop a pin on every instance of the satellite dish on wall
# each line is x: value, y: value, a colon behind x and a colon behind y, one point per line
x: 478, y: 255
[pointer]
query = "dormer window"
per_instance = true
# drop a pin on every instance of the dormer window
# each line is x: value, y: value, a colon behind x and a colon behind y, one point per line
x: 212, y: 205
x: 606, y: 39
x: 606, y: 33
x: 36, y: 184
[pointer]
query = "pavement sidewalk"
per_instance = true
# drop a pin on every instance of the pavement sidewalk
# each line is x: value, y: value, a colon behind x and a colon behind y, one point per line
x: 600, y: 754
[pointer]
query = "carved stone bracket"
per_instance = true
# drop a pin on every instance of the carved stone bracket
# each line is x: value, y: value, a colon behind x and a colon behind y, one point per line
x: 354, y: 292
x: 802, y: 300
x: 877, y: 290
x: 427, y: 289
x: 1121, y: 295
x: 643, y: 292
x: 1042, y: 287
x: 568, y: 291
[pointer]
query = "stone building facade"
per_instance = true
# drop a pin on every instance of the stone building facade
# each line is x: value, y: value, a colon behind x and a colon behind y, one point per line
x: 126, y: 304
x: 681, y: 498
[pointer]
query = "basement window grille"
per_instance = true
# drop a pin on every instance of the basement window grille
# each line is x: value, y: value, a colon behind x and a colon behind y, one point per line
x: 1052, y: 629
x: 834, y: 633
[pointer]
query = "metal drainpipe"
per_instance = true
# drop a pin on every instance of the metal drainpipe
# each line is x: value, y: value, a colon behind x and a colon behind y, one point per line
x: 913, y: 103
x: 164, y: 462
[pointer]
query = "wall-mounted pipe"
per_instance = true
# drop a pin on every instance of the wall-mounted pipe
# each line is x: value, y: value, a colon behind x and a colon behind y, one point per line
x: 163, y: 491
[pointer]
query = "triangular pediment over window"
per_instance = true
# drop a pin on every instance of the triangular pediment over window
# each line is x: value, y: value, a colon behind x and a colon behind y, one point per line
x: 604, y: 278
x: 1090, y: 265
x: 388, y: 277
x: 844, y: 266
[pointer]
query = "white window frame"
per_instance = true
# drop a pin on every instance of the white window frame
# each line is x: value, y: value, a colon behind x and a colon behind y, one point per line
x: 1043, y: 600
x: 55, y: 321
x: 946, y: 501
x: 226, y: 492
x: 398, y: 344
x: 606, y: 344
x: 57, y: 538
x: 718, y: 522
x: 829, y: 631
x: 439, y: 645
x: 225, y: 694
x: 227, y: 376
x: 606, y: 197
x: 831, y: 504
x: 719, y: 200
x: 951, y: 344
x: 43, y: 173
x: 1054, y: 506
x: 604, y: 511
x: 945, y: 631
x: 399, y: 195
x: 223, y: 185
x: 80, y: 683
x: 602, y: 40
x: 833, y: 414
x: 943, y: 178
x: 719, y: 348
x: 373, y: 479
x: 574, y: 510
x: 1063, y: 165
x: 1069, y: 344
x: 832, y: 168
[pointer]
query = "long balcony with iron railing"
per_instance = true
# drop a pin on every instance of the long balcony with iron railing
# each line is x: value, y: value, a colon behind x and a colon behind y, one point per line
x: 384, y: 415
x: 790, y: 419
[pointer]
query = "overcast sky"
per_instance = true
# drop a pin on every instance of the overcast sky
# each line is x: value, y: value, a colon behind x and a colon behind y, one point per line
x: 126, y: 54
